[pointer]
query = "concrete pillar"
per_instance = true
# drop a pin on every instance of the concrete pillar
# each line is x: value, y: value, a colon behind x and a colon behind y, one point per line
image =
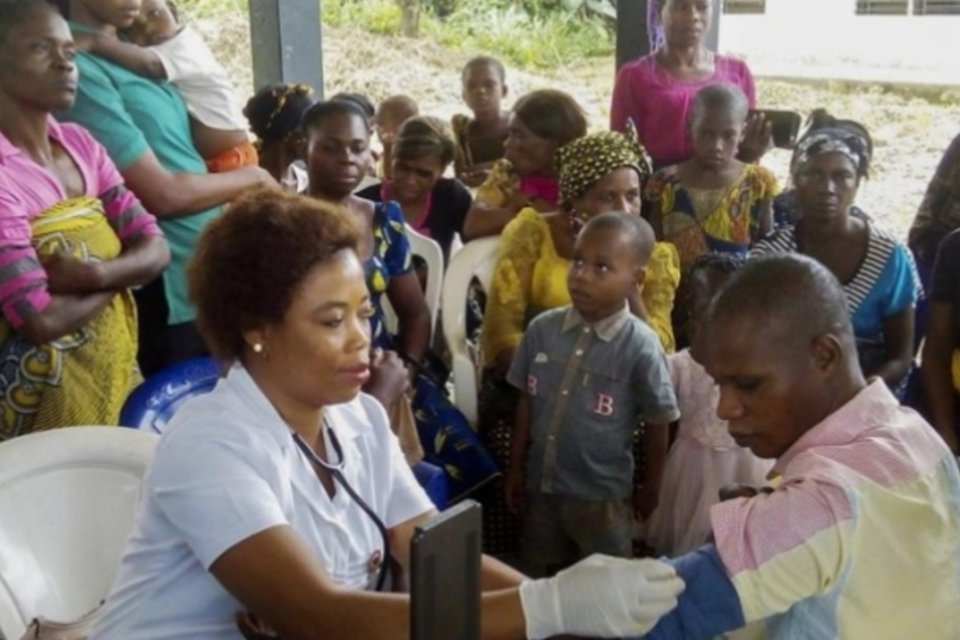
x: 287, y: 43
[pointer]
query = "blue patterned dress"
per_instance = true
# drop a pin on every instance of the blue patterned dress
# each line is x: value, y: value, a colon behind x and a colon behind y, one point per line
x: 447, y: 438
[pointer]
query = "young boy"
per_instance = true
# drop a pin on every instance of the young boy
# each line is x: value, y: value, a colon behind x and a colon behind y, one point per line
x: 590, y: 373
x: 392, y: 113
x: 162, y: 49
x: 480, y: 140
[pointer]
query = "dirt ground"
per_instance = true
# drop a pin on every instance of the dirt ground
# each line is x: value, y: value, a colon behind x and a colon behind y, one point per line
x: 911, y: 127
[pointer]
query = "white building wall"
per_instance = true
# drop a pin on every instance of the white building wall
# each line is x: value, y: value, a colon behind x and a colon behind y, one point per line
x: 825, y: 38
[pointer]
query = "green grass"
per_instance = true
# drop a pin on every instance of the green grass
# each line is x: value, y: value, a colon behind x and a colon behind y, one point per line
x: 545, y: 41
x: 542, y: 40
x: 376, y: 16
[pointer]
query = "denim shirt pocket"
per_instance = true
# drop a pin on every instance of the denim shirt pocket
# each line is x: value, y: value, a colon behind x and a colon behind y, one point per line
x: 604, y: 394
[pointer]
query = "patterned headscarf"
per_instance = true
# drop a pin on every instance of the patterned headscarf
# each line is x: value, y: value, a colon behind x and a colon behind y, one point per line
x: 846, y: 140
x: 585, y: 161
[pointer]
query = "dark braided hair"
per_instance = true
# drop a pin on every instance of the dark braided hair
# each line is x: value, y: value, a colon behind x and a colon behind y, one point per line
x: 276, y: 110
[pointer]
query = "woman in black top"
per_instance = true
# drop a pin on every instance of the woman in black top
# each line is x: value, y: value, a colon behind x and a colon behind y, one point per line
x: 943, y: 339
x: 432, y: 205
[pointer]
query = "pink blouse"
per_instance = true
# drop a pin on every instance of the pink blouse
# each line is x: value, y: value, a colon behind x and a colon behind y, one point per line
x: 659, y: 103
x: 27, y: 190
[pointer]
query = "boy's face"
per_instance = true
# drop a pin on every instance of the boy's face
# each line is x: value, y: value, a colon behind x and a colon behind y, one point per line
x: 483, y: 89
x: 387, y: 124
x: 770, y: 383
x: 603, y: 272
x: 156, y: 23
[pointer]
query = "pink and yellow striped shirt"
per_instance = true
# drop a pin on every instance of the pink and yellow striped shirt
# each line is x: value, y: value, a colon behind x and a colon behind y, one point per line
x: 860, y: 539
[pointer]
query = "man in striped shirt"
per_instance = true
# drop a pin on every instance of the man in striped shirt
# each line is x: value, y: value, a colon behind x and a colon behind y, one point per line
x: 860, y: 535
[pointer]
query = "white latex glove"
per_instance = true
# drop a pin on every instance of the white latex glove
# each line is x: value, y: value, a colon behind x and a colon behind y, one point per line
x: 601, y: 597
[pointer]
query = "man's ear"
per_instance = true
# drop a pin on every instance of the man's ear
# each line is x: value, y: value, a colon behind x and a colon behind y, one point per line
x: 827, y: 352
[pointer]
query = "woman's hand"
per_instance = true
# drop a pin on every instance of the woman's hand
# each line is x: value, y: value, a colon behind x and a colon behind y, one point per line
x: 475, y: 175
x: 388, y: 377
x: 757, y: 138
x: 253, y: 628
x: 513, y: 491
x: 601, y: 596
x: 68, y: 275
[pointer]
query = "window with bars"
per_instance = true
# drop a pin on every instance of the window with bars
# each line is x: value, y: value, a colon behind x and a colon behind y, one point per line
x: 744, y: 6
x: 883, y: 7
x: 936, y: 7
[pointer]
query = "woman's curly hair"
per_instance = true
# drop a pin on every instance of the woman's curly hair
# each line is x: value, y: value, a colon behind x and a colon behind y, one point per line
x: 250, y: 262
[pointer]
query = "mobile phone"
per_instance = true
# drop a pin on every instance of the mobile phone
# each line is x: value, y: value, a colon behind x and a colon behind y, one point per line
x: 785, y: 125
x: 445, y: 575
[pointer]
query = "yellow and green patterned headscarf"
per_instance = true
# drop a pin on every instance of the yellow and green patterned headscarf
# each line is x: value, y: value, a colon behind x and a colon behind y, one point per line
x: 585, y: 161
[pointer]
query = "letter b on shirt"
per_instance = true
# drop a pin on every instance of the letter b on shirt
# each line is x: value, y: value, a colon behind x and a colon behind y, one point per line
x: 604, y: 405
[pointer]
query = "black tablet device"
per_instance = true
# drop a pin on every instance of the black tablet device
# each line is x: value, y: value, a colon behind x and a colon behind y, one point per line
x: 445, y: 575
x: 784, y: 124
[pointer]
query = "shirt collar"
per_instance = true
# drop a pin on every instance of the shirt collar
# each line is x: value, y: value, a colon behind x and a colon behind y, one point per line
x: 870, y: 407
x: 261, y: 409
x: 9, y: 150
x: 606, y: 329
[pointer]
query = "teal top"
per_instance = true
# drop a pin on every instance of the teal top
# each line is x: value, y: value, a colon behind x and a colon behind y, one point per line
x: 131, y: 115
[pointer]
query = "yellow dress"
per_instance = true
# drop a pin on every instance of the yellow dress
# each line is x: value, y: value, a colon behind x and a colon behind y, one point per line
x: 85, y: 376
x: 531, y: 277
x: 698, y: 221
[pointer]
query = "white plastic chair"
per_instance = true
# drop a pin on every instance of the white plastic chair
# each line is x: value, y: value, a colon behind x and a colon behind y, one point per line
x: 67, y: 504
x: 476, y: 259
x: 455, y: 245
x: 430, y: 252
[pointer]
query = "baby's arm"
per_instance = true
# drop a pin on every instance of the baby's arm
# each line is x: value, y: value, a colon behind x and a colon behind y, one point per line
x: 140, y: 60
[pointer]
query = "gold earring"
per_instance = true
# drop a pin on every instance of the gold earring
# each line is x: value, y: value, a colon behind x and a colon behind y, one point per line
x: 257, y: 347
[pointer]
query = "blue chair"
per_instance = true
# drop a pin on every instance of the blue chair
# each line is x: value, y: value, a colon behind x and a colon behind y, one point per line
x: 152, y: 404
x: 434, y: 482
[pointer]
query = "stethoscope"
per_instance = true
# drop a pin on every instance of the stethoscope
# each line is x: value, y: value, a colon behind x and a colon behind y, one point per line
x: 336, y: 472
